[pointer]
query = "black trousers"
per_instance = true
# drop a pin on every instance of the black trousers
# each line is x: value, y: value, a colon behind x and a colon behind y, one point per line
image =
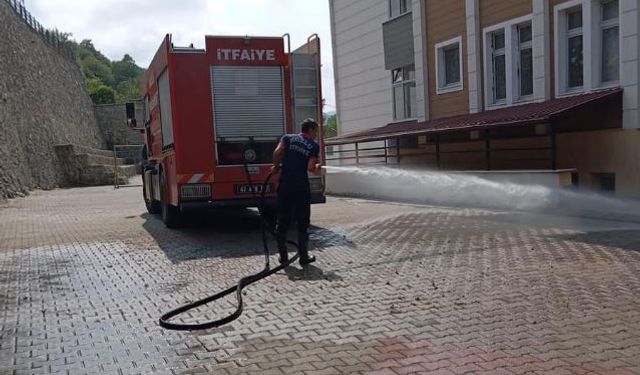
x: 294, y: 203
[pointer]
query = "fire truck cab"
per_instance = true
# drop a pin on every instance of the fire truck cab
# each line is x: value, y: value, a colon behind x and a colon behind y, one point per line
x: 213, y: 117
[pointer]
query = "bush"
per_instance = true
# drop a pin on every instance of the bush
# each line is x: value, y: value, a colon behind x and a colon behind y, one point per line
x: 103, y: 95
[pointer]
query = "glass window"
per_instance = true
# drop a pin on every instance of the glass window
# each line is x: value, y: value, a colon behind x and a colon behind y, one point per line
x: 610, y: 55
x: 398, y: 7
x: 610, y: 34
x: 396, y: 75
x: 610, y: 10
x: 451, y: 65
x: 574, y: 48
x: 147, y: 110
x: 410, y: 95
x: 500, y: 78
x: 574, y: 19
x: 498, y: 40
x: 575, y: 61
x: 499, y: 66
x: 398, y: 102
x: 525, y: 60
x: 404, y: 92
x: 524, y: 33
x: 526, y: 72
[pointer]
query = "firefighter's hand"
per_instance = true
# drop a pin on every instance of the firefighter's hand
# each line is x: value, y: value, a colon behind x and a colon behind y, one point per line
x: 275, y: 169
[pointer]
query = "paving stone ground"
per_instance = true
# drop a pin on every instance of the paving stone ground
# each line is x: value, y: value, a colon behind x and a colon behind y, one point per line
x: 398, y: 289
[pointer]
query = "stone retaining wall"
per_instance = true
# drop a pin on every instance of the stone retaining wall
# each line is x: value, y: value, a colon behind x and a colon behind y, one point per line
x: 42, y: 103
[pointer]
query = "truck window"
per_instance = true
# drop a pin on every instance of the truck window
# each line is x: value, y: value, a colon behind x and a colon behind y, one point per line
x: 166, y: 118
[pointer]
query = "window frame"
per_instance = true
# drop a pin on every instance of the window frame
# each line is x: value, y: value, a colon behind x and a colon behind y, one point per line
x: 592, y: 47
x: 570, y: 34
x: 512, y: 50
x: 602, y: 26
x: 441, y: 87
x: 147, y: 110
x: 406, y: 4
x: 404, y: 83
x: 497, y: 52
x: 522, y: 46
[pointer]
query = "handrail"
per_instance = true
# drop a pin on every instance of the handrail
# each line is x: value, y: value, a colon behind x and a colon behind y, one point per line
x: 286, y: 35
x: 116, y: 180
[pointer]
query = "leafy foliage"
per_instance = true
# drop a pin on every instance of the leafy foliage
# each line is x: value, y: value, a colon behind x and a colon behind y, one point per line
x: 103, y: 95
x: 107, y: 81
x: 330, y: 125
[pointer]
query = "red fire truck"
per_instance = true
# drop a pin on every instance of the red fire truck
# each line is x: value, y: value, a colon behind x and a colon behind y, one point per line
x: 213, y: 117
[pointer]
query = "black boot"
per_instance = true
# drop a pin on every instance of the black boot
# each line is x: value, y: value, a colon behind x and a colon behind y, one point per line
x: 282, y: 249
x: 307, y: 260
x: 303, y: 250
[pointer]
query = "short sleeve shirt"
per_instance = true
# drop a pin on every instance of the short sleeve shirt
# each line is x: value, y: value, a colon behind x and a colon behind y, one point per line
x: 298, y: 149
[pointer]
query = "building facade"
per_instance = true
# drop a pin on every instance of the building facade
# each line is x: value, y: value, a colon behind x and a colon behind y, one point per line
x: 491, y: 85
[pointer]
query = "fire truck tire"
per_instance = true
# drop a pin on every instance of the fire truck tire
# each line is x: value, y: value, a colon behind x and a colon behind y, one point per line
x: 170, y: 214
x: 153, y: 207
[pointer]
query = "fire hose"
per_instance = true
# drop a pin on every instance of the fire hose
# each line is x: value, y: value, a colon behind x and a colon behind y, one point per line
x: 242, y: 283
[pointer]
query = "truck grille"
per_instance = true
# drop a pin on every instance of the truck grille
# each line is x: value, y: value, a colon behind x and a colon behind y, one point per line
x: 191, y: 192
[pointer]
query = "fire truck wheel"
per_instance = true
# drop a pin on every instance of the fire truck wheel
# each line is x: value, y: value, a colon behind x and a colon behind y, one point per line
x: 153, y: 207
x: 170, y: 214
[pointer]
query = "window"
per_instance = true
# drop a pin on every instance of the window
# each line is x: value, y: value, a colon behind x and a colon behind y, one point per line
x: 610, y: 34
x: 607, y: 181
x: 449, y: 65
x: 147, y: 111
x: 398, y: 7
x: 574, y: 48
x: 525, y: 60
x: 509, y: 62
x: 499, y: 66
x: 404, y: 92
x: 587, y: 45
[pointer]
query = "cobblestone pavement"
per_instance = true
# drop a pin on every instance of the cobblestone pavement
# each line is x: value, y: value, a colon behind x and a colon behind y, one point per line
x: 398, y: 289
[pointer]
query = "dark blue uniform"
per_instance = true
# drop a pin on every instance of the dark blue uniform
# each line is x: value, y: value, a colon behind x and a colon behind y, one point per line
x: 294, y: 195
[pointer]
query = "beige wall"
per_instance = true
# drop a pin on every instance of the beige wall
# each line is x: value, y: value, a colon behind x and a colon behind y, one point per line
x: 446, y: 21
x: 590, y: 153
x: 607, y: 151
x: 363, y: 85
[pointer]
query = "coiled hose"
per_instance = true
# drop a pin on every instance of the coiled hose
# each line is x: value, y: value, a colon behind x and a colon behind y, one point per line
x: 244, y: 282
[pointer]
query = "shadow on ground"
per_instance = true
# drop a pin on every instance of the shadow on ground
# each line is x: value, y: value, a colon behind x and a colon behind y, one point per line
x: 621, y: 239
x: 228, y: 233
x: 310, y: 272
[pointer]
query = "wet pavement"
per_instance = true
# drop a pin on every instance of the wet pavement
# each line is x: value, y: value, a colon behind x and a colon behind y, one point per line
x: 397, y: 289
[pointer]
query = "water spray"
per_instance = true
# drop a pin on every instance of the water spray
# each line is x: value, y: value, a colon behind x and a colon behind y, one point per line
x: 471, y: 191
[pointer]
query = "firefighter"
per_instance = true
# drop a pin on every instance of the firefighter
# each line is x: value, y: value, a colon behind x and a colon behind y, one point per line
x: 296, y: 155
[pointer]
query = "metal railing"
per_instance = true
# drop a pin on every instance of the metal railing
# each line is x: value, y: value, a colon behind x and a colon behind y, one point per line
x: 54, y: 38
x: 439, y: 154
x: 133, y: 153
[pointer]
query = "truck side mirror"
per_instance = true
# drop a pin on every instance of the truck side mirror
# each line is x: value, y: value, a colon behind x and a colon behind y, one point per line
x: 131, y: 114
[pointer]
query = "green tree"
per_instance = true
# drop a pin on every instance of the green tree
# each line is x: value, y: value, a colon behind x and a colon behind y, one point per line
x: 92, y: 84
x: 122, y: 77
x: 128, y: 90
x: 92, y: 67
x: 125, y: 70
x: 103, y: 95
x: 330, y: 126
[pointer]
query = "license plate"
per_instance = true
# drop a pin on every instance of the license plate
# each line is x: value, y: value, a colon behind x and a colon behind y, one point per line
x: 251, y: 189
